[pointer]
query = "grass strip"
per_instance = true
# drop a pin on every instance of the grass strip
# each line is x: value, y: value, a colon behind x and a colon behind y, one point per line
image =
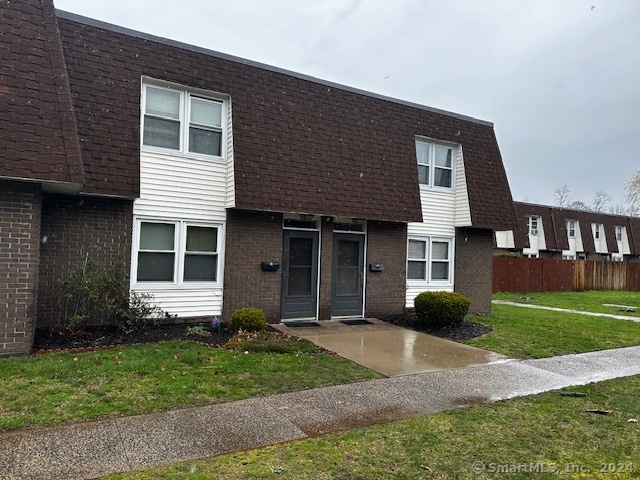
x: 590, y: 301
x: 47, y: 389
x: 529, y: 333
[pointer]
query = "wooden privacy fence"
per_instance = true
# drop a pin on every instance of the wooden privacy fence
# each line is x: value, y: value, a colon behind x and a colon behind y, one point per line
x: 511, y: 274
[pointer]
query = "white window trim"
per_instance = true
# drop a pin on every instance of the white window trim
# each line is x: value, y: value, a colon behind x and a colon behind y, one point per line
x: 429, y: 260
x: 533, y: 219
x: 571, y: 229
x: 184, y: 116
x: 179, y: 248
x: 620, y: 233
x: 597, y: 231
x: 432, y: 164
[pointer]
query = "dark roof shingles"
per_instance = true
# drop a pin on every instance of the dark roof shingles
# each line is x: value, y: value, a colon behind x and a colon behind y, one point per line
x: 38, y: 139
x: 300, y: 145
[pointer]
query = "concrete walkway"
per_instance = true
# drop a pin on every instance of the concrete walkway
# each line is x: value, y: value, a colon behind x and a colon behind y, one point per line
x: 555, y: 309
x: 92, y: 449
x: 392, y: 350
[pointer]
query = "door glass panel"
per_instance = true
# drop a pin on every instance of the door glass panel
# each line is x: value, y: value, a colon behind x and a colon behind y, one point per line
x: 299, y: 281
x: 300, y: 267
x: 300, y: 252
x: 348, y: 270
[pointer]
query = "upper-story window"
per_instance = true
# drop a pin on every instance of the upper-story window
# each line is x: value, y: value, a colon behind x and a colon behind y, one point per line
x: 435, y: 164
x: 571, y: 228
x: 619, y: 232
x: 181, y: 121
x: 596, y: 231
x: 533, y: 225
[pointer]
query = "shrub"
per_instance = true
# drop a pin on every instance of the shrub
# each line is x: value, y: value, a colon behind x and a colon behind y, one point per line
x: 87, y: 293
x: 248, y: 319
x: 441, y: 309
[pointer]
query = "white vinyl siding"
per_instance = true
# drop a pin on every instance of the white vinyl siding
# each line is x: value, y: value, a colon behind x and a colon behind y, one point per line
x: 504, y: 239
x: 462, y: 211
x: 188, y: 189
x: 537, y: 240
x: 231, y: 196
x: 177, y: 187
x: 599, y: 238
x: 442, y: 211
x: 574, y: 239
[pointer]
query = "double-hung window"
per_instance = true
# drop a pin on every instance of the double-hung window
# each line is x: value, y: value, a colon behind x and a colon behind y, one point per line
x: 571, y: 228
x: 533, y: 225
x: 435, y: 164
x: 176, y: 252
x: 596, y: 231
x: 429, y: 259
x: 619, y: 231
x: 181, y: 121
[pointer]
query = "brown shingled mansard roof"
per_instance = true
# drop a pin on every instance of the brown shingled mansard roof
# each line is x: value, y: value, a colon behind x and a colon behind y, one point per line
x: 300, y: 144
x: 554, y: 220
x: 38, y: 137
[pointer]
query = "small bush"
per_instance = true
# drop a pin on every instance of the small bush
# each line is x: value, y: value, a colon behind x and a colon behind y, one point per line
x: 441, y: 309
x: 88, y: 293
x: 248, y: 319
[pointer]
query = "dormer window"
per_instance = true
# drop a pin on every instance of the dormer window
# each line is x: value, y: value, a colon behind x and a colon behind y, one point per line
x: 435, y: 164
x: 533, y: 225
x: 571, y: 228
x: 181, y: 121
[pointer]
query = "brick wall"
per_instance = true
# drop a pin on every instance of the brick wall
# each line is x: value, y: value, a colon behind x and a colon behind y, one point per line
x: 473, y: 265
x: 252, y: 238
x: 20, y: 207
x: 75, y: 228
x: 387, y: 245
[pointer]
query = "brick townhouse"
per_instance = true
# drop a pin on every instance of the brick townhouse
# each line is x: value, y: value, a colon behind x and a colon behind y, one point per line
x: 544, y: 231
x: 225, y: 183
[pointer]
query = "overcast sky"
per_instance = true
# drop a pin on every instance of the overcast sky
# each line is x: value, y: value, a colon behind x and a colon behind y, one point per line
x: 559, y: 79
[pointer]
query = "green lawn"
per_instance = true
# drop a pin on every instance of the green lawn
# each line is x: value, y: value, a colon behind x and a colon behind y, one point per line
x: 548, y: 432
x: 531, y: 333
x: 46, y: 389
x: 591, y: 301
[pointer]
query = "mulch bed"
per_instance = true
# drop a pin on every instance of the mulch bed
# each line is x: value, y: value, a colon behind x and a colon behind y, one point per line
x: 98, y: 338
x: 464, y: 332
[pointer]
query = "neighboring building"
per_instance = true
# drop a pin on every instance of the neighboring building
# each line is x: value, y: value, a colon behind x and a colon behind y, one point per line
x: 553, y: 232
x: 225, y: 183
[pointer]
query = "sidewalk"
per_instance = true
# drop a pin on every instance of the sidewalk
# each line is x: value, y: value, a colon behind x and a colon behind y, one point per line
x: 92, y: 449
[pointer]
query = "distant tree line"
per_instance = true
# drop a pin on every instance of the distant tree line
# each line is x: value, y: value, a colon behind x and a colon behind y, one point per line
x: 601, y: 199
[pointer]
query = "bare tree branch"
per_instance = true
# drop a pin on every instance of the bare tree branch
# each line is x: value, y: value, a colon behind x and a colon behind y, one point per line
x: 562, y: 195
x: 600, y: 200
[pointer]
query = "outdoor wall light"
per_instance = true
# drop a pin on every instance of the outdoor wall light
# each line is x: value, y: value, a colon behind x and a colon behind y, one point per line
x: 270, y: 266
x: 376, y: 267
